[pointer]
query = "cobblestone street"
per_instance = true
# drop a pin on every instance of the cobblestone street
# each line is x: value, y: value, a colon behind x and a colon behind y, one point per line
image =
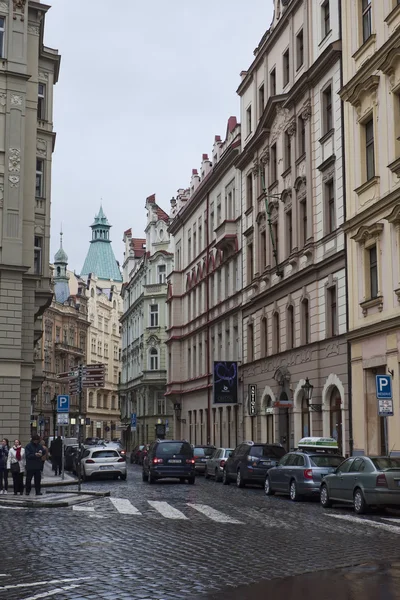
x: 173, y: 541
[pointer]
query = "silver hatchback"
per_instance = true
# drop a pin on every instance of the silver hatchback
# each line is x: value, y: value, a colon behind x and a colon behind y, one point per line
x: 300, y: 473
x: 215, y: 464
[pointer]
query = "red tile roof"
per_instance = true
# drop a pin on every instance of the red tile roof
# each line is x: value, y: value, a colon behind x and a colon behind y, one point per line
x: 138, y: 246
x: 161, y: 215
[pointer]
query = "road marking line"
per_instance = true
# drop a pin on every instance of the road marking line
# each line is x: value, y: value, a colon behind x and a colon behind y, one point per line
x: 37, y: 583
x: 14, y: 507
x: 392, y: 520
x: 166, y: 510
x: 214, y: 515
x: 390, y: 528
x: 53, y: 592
x: 124, y: 506
x: 83, y: 508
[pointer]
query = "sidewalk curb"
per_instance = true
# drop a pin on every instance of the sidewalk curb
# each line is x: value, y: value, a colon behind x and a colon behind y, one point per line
x: 80, y: 498
x: 81, y: 493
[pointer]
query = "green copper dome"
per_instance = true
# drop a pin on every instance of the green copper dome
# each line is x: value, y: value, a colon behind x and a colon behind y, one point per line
x: 100, y: 260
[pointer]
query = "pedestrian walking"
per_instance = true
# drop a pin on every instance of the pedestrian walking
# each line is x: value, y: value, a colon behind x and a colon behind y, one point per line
x: 33, y: 458
x: 16, y: 464
x: 56, y: 455
x: 45, y: 454
x: 3, y: 466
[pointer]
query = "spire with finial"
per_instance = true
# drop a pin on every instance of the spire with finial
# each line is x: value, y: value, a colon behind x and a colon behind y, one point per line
x: 61, y: 287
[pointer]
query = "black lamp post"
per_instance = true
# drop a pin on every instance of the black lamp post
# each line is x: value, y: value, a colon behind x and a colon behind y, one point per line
x: 308, y: 391
x: 54, y: 406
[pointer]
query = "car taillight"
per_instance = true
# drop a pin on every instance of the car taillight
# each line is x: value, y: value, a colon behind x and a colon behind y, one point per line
x: 157, y: 461
x: 89, y: 460
x: 195, y: 457
x: 122, y: 451
x: 121, y: 460
x: 307, y: 474
x: 381, y: 481
x: 222, y: 462
x: 190, y: 461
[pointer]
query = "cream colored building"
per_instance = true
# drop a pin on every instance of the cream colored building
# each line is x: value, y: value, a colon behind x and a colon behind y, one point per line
x: 371, y: 94
x: 205, y: 293
x: 28, y: 72
x: 294, y: 279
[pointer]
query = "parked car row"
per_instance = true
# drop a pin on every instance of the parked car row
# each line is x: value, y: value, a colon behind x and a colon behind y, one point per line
x: 96, y: 457
x: 315, y: 468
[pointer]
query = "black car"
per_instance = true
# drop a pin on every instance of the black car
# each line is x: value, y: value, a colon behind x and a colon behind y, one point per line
x: 69, y: 453
x: 201, y: 454
x: 250, y: 462
x: 169, y: 458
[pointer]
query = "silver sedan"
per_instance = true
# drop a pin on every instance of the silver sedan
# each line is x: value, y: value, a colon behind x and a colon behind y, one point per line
x: 215, y: 464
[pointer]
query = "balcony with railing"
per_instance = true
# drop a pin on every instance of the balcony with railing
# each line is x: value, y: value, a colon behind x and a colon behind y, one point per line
x: 65, y: 348
x: 226, y: 235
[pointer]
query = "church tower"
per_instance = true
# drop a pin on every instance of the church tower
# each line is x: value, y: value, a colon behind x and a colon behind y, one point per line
x: 100, y: 260
x: 61, y: 286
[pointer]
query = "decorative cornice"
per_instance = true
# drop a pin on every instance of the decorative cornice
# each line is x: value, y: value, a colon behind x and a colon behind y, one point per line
x: 368, y: 86
x: 371, y: 303
x: 394, y: 216
x: 367, y: 232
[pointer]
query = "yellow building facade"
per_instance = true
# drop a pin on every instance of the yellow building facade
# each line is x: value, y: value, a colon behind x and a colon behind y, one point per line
x: 371, y: 95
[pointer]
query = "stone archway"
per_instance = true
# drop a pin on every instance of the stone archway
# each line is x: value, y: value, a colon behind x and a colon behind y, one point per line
x: 268, y: 415
x: 333, y: 409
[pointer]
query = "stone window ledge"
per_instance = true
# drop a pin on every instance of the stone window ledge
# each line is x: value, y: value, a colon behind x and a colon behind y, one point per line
x: 371, y: 303
x: 395, y: 165
x: 392, y: 15
x: 365, y: 46
x: 367, y: 185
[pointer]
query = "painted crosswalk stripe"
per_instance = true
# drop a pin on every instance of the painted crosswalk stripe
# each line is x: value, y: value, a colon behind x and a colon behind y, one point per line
x: 392, y: 520
x: 124, y: 506
x: 166, y: 510
x: 83, y: 508
x: 52, y: 592
x: 367, y: 522
x: 213, y: 514
x: 42, y: 583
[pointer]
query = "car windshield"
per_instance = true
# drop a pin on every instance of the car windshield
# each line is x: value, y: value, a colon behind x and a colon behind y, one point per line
x: 105, y: 454
x: 324, y: 460
x: 386, y: 464
x: 203, y: 451
x: 268, y: 451
x: 174, y: 448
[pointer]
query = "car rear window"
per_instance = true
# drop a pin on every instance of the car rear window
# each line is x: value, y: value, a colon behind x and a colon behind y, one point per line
x: 174, y: 448
x: 203, y: 451
x: 268, y: 451
x: 322, y: 460
x: 383, y: 464
x: 105, y: 454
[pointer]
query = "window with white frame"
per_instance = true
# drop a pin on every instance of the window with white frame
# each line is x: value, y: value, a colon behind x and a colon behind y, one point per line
x: 154, y: 315
x: 2, y: 36
x: 161, y: 403
x: 153, y: 362
x: 39, y: 191
x: 366, y: 15
x: 326, y: 18
x: 41, y: 105
x: 161, y: 273
x: 38, y: 255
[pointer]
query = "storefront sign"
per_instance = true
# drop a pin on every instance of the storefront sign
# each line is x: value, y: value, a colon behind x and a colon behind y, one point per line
x: 225, y: 386
x: 252, y: 400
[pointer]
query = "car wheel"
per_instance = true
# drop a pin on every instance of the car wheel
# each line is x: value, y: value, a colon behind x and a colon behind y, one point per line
x: 151, y: 479
x: 294, y: 496
x: 206, y: 475
x: 191, y: 480
x: 239, y: 480
x: 324, y: 497
x: 267, y: 487
x: 181, y: 480
x: 145, y: 476
x: 217, y: 476
x: 123, y: 477
x: 225, y: 479
x: 360, y: 506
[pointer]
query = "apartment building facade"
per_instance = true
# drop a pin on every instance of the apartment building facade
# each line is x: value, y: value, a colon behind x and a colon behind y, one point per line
x: 204, y: 295
x: 147, y: 263
x: 28, y: 72
x: 371, y: 95
x: 294, y: 280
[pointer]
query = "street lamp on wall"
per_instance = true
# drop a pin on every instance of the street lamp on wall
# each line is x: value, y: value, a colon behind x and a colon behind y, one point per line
x: 308, y: 388
x: 178, y: 412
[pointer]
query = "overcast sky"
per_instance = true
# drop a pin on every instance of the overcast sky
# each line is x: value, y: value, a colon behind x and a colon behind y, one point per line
x: 144, y: 87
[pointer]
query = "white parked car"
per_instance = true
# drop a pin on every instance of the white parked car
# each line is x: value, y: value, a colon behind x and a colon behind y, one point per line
x: 100, y: 460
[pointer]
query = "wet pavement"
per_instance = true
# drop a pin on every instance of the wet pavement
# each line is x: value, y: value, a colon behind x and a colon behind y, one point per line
x: 172, y: 541
x: 365, y: 582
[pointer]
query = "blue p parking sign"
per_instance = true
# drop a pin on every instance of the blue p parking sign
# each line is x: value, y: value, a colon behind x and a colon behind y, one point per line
x: 384, y: 387
x: 63, y: 404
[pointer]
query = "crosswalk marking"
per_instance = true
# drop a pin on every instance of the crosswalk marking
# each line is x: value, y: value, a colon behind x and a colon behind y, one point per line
x: 124, y: 506
x: 83, y: 508
x: 367, y: 522
x: 166, y: 510
x: 213, y: 514
x: 391, y: 520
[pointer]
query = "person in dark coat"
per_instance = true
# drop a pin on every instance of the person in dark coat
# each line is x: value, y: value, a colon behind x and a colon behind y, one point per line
x: 56, y: 454
x: 33, y: 457
x: 3, y: 467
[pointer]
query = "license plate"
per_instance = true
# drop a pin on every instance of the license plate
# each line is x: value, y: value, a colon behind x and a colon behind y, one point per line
x: 106, y: 467
x: 203, y: 460
x: 266, y: 462
x: 175, y: 462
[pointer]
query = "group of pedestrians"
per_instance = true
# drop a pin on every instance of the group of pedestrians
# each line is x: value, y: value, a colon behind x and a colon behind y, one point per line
x: 29, y: 461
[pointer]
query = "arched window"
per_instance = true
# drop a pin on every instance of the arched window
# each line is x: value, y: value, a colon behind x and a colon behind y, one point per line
x: 92, y: 293
x: 114, y: 304
x: 153, y: 359
x: 58, y: 271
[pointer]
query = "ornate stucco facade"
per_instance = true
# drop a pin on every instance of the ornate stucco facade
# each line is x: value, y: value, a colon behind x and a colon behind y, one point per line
x: 205, y: 294
x: 147, y: 264
x: 28, y: 73
x: 371, y: 94
x: 294, y: 280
